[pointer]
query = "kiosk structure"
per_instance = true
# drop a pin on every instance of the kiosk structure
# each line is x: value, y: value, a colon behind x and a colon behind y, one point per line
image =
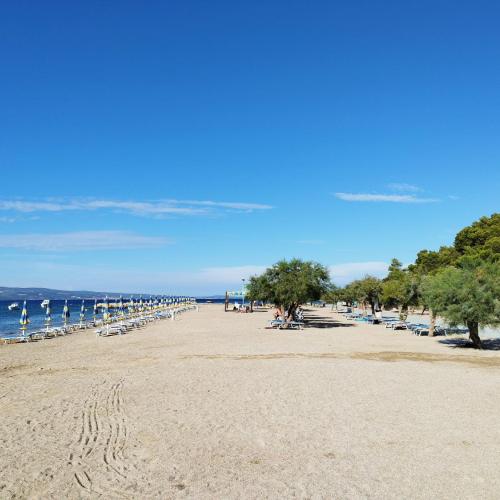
x: 236, y: 295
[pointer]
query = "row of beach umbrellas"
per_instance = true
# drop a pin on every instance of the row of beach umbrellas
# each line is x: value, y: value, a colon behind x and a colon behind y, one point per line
x: 132, y: 306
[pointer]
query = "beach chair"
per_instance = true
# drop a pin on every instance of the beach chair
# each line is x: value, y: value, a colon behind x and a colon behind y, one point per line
x: 14, y: 339
x: 399, y: 325
x: 292, y: 325
x: 38, y: 335
x: 275, y: 323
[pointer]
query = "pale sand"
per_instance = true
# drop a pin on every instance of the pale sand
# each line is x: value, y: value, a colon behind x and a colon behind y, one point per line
x: 215, y: 406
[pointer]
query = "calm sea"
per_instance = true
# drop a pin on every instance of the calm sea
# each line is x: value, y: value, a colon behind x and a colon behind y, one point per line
x: 9, y: 320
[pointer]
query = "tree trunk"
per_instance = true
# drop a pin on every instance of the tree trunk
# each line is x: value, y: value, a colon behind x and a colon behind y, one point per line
x: 291, y: 312
x: 432, y: 323
x: 372, y: 305
x: 404, y: 313
x: 473, y: 327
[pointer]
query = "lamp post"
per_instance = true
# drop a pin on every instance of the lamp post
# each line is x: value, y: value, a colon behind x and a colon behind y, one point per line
x: 242, y: 291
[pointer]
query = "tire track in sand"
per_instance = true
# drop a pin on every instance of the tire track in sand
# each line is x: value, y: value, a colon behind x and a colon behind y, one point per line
x: 98, y: 455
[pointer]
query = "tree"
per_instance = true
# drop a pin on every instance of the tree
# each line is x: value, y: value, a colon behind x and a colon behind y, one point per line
x: 400, y: 288
x: 351, y: 293
x: 333, y: 295
x: 428, y: 263
x: 481, y: 238
x: 289, y: 284
x: 368, y: 290
x: 469, y: 295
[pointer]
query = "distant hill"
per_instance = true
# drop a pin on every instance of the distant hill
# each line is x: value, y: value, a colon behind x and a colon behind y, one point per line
x: 10, y: 293
x: 17, y: 294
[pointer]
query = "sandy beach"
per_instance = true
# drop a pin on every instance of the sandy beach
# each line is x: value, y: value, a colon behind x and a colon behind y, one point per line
x: 215, y: 406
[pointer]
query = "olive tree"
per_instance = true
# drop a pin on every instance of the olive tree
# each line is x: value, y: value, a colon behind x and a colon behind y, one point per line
x: 288, y: 284
x: 368, y: 290
x: 468, y: 295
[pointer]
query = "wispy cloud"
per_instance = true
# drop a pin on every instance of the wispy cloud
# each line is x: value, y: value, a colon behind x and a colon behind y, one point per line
x: 7, y: 220
x: 80, y: 241
x: 143, y: 208
x: 234, y: 205
x: 404, y: 187
x: 391, y: 198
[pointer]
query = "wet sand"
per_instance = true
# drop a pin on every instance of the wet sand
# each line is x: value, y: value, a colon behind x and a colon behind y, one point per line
x: 215, y: 406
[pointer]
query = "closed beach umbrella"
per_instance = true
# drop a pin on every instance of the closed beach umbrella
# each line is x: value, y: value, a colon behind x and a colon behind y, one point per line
x: 105, y: 310
x: 25, y: 319
x: 96, y: 309
x: 141, y: 304
x: 82, y: 312
x: 65, y: 313
x: 105, y: 313
x: 48, y: 315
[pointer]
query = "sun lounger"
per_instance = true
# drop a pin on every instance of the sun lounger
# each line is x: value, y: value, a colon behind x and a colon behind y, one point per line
x: 275, y: 323
x: 293, y: 325
x: 399, y: 325
x: 15, y: 339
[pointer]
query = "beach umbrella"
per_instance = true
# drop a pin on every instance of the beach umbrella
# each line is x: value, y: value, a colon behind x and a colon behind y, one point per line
x: 131, y: 305
x: 25, y: 319
x: 96, y: 310
x: 48, y: 317
x: 82, y: 313
x: 120, y: 306
x: 65, y: 313
x: 105, y: 313
x: 105, y: 310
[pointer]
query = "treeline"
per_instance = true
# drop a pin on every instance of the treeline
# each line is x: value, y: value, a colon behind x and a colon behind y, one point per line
x: 460, y: 283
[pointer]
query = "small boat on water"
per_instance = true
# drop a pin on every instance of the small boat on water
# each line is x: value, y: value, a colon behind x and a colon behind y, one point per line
x: 13, y: 307
x: 45, y: 303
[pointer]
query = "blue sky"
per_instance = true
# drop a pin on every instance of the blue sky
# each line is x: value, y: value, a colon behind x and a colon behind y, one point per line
x: 181, y: 146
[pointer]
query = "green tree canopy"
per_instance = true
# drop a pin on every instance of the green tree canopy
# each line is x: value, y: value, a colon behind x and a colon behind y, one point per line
x: 367, y: 290
x: 481, y: 238
x: 429, y: 261
x: 288, y: 284
x: 400, y: 288
x: 468, y: 295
